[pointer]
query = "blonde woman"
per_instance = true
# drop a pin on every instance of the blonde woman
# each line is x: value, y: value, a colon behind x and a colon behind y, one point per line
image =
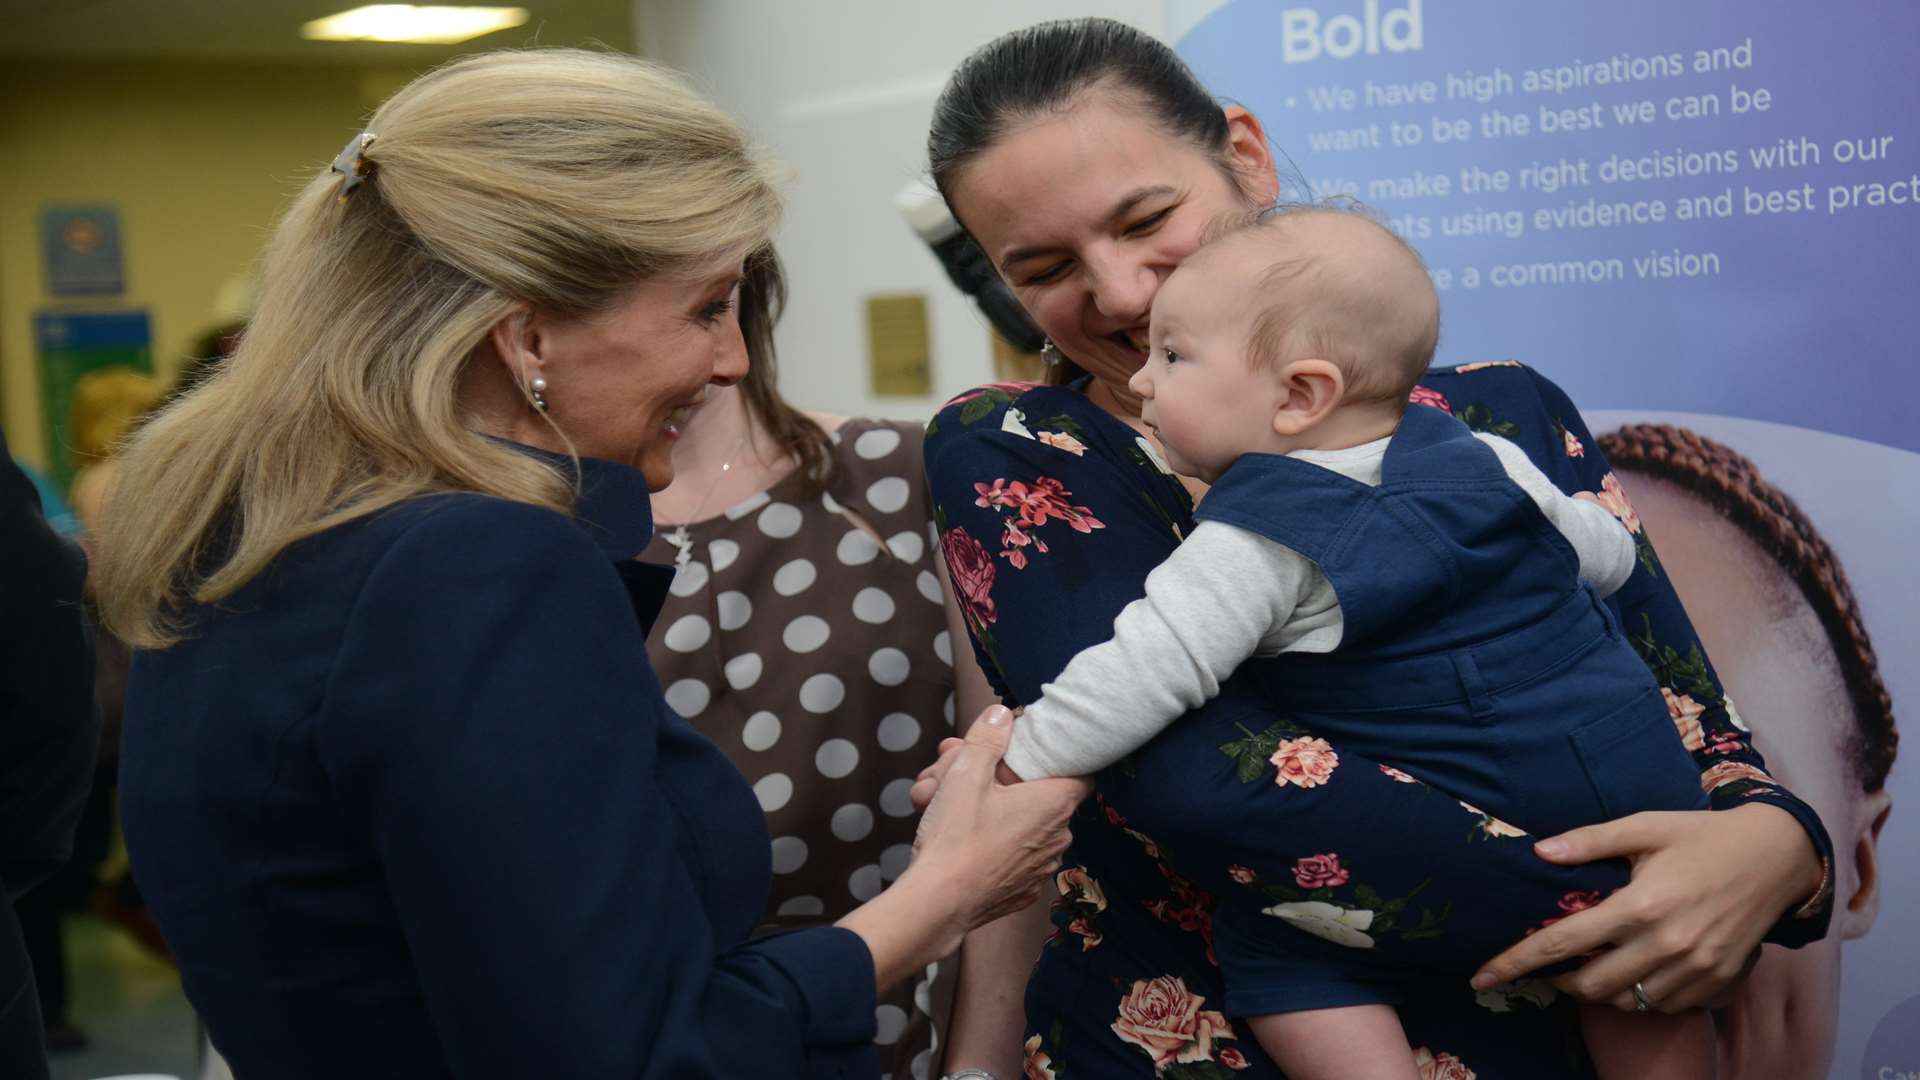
x: 398, y: 782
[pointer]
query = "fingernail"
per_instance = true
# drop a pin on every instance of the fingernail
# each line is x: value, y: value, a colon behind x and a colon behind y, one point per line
x: 998, y: 715
x: 1551, y: 849
x: 1482, y: 981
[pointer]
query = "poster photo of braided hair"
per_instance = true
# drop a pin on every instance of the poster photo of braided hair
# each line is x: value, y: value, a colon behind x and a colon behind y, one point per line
x: 1774, y: 608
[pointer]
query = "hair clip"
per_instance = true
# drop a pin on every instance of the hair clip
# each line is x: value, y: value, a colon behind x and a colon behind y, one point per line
x: 352, y: 163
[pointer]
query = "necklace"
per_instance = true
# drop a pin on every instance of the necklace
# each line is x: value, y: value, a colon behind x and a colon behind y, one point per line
x: 678, y: 536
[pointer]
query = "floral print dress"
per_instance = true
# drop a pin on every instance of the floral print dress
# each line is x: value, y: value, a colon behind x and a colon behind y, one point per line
x: 1051, y: 514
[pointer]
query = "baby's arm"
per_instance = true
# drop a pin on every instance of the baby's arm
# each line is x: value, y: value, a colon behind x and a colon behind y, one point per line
x: 1207, y: 608
x: 1604, y: 545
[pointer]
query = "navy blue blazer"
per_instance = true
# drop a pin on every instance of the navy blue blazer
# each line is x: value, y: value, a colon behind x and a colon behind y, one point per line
x: 411, y: 804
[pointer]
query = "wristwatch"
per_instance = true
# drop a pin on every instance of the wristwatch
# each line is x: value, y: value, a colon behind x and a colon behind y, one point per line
x: 969, y: 1074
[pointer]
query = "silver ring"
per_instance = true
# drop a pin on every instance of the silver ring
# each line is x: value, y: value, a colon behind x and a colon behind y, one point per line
x: 1641, y: 1002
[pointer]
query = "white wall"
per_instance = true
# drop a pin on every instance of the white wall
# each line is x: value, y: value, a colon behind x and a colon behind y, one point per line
x: 842, y: 90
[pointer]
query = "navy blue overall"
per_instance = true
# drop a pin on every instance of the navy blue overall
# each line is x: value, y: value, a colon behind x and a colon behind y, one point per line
x: 1473, y: 656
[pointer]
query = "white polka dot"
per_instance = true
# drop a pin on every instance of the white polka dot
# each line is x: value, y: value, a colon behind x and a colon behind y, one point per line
x: 889, y: 666
x: 689, y: 579
x: 929, y: 587
x: 831, y: 504
x: 780, y: 520
x: 898, y: 732
x: 806, y: 633
x: 921, y: 1067
x: 865, y: 883
x: 876, y: 444
x: 894, y: 860
x: 923, y: 988
x: 943, y: 647
x: 734, y: 609
x: 852, y: 822
x: 947, y: 709
x: 687, y: 633
x: 723, y: 552
x: 794, y: 577
x: 836, y: 758
x: 762, y: 730
x: 907, y: 546
x: 896, y: 799
x: 872, y: 605
x: 822, y: 693
x: 689, y: 697
x: 789, y: 854
x: 773, y: 791
x: 890, y: 1021
x: 889, y: 495
x: 802, y: 906
x: 743, y: 671
x: 747, y: 506
x: 857, y: 548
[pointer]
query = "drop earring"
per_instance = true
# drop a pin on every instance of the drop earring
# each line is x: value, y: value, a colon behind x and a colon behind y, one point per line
x: 537, y: 390
x: 1050, y: 354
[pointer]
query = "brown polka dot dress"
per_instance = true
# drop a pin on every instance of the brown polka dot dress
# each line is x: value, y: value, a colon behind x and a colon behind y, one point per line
x: 816, y: 655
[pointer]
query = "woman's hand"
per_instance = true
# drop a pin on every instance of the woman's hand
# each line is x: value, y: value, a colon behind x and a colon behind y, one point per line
x: 1001, y: 842
x: 1707, y: 886
x: 984, y: 849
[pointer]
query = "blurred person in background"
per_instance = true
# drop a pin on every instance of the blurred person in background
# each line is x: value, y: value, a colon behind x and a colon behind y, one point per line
x: 1771, y: 600
x: 107, y: 406
x: 48, y: 731
x: 399, y: 784
x: 805, y: 634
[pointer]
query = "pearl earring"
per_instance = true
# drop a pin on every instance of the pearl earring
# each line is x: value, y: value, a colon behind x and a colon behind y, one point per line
x: 538, y: 389
x: 1050, y: 354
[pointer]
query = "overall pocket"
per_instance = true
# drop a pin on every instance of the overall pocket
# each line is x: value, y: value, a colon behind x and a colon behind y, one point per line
x: 1634, y: 759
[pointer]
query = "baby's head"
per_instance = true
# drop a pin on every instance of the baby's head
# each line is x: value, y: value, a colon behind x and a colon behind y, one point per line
x: 1304, y: 328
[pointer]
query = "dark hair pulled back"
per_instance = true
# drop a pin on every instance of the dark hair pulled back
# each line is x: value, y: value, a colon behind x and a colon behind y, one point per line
x: 1043, y: 69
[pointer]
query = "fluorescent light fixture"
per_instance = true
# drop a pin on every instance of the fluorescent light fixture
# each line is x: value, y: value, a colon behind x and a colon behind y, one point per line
x: 415, y: 24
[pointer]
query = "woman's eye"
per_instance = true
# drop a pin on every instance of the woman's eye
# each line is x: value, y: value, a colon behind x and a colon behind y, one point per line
x: 715, y: 311
x: 1149, y: 223
x: 1049, y: 275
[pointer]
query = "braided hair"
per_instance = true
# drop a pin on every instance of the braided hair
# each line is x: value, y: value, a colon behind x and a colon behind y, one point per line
x: 1771, y: 519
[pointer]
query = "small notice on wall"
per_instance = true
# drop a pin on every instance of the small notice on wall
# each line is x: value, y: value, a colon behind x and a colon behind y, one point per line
x: 81, y: 246
x: 899, y: 351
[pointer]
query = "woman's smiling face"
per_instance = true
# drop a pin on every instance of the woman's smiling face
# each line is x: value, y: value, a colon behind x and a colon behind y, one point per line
x: 1085, y: 213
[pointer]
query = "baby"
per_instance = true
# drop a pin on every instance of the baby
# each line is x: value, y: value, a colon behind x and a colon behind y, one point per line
x: 1418, y: 587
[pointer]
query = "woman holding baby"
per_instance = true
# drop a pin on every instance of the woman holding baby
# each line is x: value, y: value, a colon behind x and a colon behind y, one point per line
x: 1088, y: 163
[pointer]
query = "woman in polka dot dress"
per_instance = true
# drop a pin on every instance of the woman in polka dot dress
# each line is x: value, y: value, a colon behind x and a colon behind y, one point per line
x: 805, y: 634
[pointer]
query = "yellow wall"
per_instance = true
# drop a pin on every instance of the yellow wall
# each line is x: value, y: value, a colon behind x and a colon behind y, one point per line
x: 198, y: 158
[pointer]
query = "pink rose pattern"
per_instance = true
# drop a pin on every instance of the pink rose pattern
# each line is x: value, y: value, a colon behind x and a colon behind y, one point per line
x: 1398, y: 776
x: 1037, y: 1066
x: 1030, y: 506
x: 1614, y: 497
x: 1686, y: 718
x: 972, y: 570
x: 1304, y: 762
x: 1060, y: 440
x: 1319, y: 871
x: 1243, y: 875
x: 1422, y: 395
x: 1164, y: 1019
x: 1440, y: 1066
x: 1574, y: 449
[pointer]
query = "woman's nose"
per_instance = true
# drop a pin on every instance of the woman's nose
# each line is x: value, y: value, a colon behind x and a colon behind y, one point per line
x: 730, y: 365
x: 1123, y: 289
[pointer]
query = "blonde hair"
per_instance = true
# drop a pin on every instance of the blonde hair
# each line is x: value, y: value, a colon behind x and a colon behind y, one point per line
x: 552, y: 177
x: 106, y: 405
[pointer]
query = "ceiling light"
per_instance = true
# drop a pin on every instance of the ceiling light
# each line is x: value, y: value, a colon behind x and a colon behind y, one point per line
x: 413, y: 23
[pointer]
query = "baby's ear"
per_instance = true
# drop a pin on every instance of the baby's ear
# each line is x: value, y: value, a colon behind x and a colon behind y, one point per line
x: 1309, y: 389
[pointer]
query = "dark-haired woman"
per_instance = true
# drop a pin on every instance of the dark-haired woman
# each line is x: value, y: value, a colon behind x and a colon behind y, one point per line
x: 805, y: 634
x: 1772, y: 601
x: 1086, y: 160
